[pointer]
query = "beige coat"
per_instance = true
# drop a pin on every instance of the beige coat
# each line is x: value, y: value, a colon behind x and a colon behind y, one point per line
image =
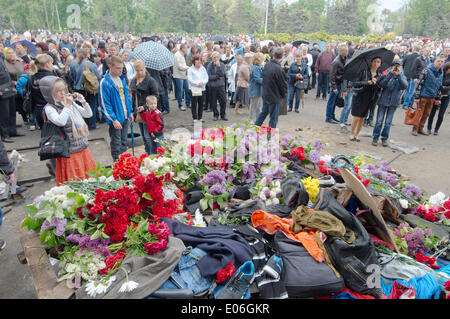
x: 243, y: 76
x: 179, y: 66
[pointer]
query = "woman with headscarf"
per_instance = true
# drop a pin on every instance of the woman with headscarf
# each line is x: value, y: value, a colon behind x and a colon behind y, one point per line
x: 63, y: 111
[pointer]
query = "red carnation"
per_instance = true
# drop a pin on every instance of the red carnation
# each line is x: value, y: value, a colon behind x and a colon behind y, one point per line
x: 366, y: 182
x: 225, y: 273
x: 430, y: 216
x: 447, y: 214
x: 160, y: 150
x: 447, y: 285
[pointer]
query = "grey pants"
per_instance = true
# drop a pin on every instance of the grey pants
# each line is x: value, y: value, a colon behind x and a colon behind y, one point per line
x: 119, y: 140
x: 255, y: 108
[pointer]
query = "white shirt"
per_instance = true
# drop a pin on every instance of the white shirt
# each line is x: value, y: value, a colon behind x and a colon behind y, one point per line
x: 60, y: 119
x: 195, y: 76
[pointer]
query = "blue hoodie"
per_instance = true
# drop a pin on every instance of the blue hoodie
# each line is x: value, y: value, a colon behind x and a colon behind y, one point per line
x: 110, y: 102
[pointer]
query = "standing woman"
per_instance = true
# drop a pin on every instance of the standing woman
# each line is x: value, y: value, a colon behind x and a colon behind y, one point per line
x: 62, y: 111
x: 15, y: 67
x: 365, y: 92
x: 255, y: 88
x: 242, y: 83
x: 307, y: 61
x: 297, y: 72
x: 445, y: 99
x: 141, y: 86
x: 131, y: 72
x: 197, y: 78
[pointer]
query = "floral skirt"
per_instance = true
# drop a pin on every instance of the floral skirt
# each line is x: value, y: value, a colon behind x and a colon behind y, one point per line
x: 74, y: 167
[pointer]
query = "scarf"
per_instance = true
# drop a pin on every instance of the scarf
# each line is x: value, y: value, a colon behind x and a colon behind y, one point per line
x: 5, y: 53
x: 79, y: 126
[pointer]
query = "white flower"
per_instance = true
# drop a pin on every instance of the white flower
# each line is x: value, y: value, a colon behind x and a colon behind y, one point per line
x: 269, y: 202
x: 275, y: 201
x: 437, y: 199
x: 128, y: 286
x: 262, y: 196
x: 198, y: 219
x: 273, y: 194
x: 404, y: 203
x: 94, y: 288
x: 102, y: 179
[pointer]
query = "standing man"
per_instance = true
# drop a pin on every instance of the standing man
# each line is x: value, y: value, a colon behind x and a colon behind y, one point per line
x: 180, y: 75
x: 322, y: 69
x: 429, y: 84
x: 337, y: 82
x: 411, y: 74
x: 274, y: 89
x: 65, y: 43
x: 315, y: 51
x: 216, y: 74
x: 116, y: 106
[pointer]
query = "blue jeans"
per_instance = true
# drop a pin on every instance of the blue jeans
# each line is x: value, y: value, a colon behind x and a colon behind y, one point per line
x: 441, y: 113
x: 323, y: 85
x: 271, y: 109
x: 186, y: 274
x: 119, y: 140
x: 409, y: 94
x: 145, y: 137
x: 331, y: 105
x: 182, y: 89
x: 347, y: 107
x: 292, y: 90
x: 154, y: 144
x: 385, y: 115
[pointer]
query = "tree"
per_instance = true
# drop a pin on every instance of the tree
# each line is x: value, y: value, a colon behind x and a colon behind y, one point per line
x: 342, y: 17
x: 207, y: 16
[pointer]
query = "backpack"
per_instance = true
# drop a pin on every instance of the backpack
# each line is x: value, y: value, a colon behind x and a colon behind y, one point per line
x: 90, y: 81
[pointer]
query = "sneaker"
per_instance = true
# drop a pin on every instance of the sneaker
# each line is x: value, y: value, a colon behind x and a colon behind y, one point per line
x: 32, y: 127
x: 423, y: 133
x: 435, y: 133
x: 238, y: 284
x: 429, y: 132
x: 2, y: 244
x: 414, y: 133
x: 274, y: 266
x: 375, y: 142
x: 384, y: 143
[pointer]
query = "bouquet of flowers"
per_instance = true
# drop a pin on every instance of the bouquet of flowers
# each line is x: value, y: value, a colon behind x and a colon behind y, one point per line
x: 268, y: 190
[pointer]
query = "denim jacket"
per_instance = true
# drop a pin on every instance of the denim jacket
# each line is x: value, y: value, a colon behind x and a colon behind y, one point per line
x: 256, y: 78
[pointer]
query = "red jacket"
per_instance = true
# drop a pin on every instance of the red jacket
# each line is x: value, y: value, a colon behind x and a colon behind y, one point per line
x: 154, y: 121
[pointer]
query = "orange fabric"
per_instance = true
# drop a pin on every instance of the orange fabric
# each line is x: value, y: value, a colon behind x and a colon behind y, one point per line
x: 272, y: 223
x: 74, y: 167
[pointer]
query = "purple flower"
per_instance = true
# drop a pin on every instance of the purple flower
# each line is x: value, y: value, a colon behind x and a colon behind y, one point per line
x: 217, y: 189
x: 214, y: 177
x: 314, y: 156
x: 58, y: 224
x: 418, y: 234
x: 428, y: 231
x: 318, y: 145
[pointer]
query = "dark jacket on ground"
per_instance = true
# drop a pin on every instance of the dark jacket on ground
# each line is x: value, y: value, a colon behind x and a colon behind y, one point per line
x: 5, y: 165
x: 337, y: 73
x: 274, y: 82
x: 216, y: 75
x: 392, y: 86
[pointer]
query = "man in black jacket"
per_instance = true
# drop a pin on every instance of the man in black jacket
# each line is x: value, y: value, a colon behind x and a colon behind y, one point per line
x: 216, y: 74
x: 315, y: 51
x: 7, y: 169
x: 337, y: 83
x: 413, y: 67
x: 274, y: 89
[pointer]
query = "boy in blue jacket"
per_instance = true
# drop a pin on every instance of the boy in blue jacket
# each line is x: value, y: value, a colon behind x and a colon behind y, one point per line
x: 116, y: 106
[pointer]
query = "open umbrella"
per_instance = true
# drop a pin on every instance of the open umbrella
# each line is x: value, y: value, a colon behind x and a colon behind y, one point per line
x: 31, y: 47
x: 361, y: 62
x: 298, y: 43
x: 155, y: 56
x: 219, y: 38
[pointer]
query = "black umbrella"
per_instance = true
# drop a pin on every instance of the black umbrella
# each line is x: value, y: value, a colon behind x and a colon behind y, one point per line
x: 218, y: 38
x: 361, y: 62
x: 298, y: 43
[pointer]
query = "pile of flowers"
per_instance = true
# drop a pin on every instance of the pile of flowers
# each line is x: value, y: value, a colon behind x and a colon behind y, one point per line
x: 411, y: 241
x: 268, y: 191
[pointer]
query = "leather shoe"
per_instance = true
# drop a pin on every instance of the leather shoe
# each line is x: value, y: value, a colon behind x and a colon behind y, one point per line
x: 332, y: 121
x: 7, y: 140
x: 215, y: 118
x: 224, y: 118
x: 423, y: 133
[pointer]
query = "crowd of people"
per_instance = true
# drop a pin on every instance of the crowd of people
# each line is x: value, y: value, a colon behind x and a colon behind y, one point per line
x: 103, y: 82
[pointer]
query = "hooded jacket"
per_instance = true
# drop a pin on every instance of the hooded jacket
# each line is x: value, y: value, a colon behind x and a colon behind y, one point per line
x: 432, y: 82
x: 392, y: 86
x: 110, y: 102
x: 46, y: 87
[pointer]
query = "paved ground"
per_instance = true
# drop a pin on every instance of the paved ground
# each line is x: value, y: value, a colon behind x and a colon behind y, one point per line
x: 428, y: 168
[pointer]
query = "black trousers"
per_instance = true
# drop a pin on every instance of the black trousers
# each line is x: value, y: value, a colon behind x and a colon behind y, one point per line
x: 218, y: 94
x: 197, y: 105
x: 8, y: 117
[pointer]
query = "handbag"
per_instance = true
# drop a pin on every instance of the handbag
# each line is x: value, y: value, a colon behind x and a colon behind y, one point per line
x: 413, y: 116
x: 301, y: 84
x: 54, y: 142
x: 340, y: 102
x: 7, y: 90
